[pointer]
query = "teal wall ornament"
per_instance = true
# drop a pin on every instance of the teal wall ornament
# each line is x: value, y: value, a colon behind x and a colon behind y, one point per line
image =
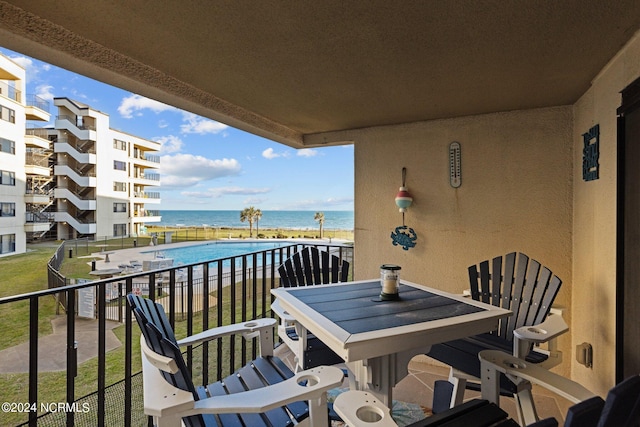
x: 591, y: 154
x: 404, y: 236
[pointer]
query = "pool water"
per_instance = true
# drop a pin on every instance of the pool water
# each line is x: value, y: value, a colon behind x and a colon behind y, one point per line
x: 215, y: 250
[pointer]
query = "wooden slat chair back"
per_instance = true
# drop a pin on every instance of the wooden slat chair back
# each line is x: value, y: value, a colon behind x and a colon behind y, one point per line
x: 263, y: 372
x: 306, y: 268
x: 159, y: 336
x: 313, y: 267
x: 526, y: 288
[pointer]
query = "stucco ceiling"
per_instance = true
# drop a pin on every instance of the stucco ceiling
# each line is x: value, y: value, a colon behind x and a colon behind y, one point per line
x: 300, y: 72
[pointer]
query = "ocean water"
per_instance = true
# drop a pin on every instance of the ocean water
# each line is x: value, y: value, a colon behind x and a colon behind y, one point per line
x: 299, y: 220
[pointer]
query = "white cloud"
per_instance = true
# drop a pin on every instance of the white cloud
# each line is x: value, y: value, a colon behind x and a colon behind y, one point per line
x: 200, y: 125
x: 216, y: 192
x: 45, y: 92
x: 30, y: 67
x: 307, y: 152
x: 170, y: 144
x: 186, y: 170
x: 269, y: 153
x: 338, y: 201
x: 254, y: 201
x: 319, y: 204
x: 136, y: 103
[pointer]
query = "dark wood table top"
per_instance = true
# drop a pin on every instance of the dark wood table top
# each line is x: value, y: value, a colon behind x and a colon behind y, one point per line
x: 356, y: 308
x: 349, y: 318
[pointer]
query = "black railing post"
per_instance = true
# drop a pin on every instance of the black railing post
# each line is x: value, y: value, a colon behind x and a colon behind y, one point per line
x: 33, y: 361
x: 219, y: 320
x: 205, y: 322
x: 128, y: 355
x: 254, y: 305
x: 244, y: 306
x: 102, y: 352
x: 72, y: 354
x: 232, y: 304
x: 189, y: 315
x: 172, y: 298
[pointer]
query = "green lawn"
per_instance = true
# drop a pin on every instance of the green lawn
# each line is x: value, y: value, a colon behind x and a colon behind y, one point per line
x: 20, y: 274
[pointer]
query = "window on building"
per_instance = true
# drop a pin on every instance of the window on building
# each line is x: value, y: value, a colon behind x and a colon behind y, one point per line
x: 7, y: 146
x: 7, y: 114
x: 119, y: 230
x: 119, y: 186
x: 7, y: 178
x: 7, y: 243
x: 119, y: 145
x: 7, y: 209
x: 120, y: 166
x: 119, y: 207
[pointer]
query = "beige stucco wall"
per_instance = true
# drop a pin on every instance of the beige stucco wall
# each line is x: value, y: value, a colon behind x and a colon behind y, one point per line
x: 516, y: 195
x: 522, y: 190
x: 594, y: 249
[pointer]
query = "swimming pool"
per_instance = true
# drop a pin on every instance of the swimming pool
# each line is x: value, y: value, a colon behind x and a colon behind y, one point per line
x: 215, y: 250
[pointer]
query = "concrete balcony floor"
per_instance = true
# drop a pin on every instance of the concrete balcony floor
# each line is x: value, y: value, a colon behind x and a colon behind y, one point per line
x: 417, y: 388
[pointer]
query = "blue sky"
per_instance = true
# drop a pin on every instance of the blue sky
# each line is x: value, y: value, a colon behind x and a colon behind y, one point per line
x: 206, y: 164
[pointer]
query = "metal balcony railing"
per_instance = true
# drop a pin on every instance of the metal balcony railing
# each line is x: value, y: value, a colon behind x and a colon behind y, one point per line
x: 39, y: 132
x: 39, y: 217
x: 146, y: 212
x: 10, y: 91
x: 147, y: 157
x: 36, y: 158
x: 149, y: 176
x: 73, y: 120
x: 38, y: 102
x: 196, y: 296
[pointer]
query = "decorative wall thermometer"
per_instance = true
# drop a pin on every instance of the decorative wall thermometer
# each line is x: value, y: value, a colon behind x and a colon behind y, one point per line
x: 455, y: 165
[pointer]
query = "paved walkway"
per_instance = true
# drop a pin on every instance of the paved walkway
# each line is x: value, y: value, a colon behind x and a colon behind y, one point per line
x: 52, y: 349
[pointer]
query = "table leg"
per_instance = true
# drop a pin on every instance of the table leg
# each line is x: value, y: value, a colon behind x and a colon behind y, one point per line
x: 380, y: 374
x: 302, y: 345
x: 374, y: 376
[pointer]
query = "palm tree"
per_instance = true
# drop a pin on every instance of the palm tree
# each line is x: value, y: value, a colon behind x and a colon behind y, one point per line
x: 249, y: 214
x: 257, y: 215
x: 319, y: 216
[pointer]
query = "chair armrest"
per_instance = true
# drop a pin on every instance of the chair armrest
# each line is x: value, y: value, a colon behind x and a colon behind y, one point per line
x: 248, y: 329
x: 158, y: 361
x: 161, y: 399
x: 362, y: 409
x: 282, y: 313
x: 262, y: 328
x: 553, y: 326
x: 493, y: 360
x: 306, y: 385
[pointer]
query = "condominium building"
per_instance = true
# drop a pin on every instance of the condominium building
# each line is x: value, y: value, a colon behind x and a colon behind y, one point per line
x: 25, y: 172
x: 77, y: 178
x: 104, y: 177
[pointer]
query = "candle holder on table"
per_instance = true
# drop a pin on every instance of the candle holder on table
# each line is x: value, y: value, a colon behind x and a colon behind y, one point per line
x: 389, y: 282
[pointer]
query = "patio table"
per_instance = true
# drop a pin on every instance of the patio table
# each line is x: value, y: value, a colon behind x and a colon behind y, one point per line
x: 376, y: 338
